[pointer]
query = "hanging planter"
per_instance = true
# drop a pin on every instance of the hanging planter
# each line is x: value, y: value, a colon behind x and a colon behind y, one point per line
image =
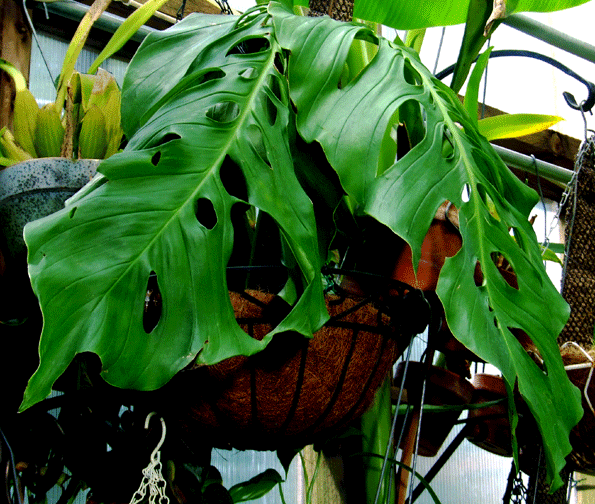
x: 443, y: 388
x: 490, y: 425
x: 296, y: 391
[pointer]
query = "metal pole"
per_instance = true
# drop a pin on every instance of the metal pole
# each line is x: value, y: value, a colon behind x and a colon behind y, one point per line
x: 553, y: 37
x: 107, y: 22
x: 556, y: 174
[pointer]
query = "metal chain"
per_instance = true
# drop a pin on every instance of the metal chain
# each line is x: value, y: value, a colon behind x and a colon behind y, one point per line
x: 152, y: 476
x: 571, y: 186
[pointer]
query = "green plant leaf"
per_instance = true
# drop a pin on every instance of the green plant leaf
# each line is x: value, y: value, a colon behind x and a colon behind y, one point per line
x: 473, y: 40
x: 15, y: 74
x: 412, y: 14
x: 471, y: 100
x: 549, y: 255
x: 126, y: 30
x: 75, y: 47
x: 215, y: 132
x: 256, y: 487
x: 557, y: 248
x: 350, y: 123
x: 515, y: 125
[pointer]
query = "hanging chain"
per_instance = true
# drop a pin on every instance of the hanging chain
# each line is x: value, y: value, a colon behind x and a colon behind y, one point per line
x: 152, y: 476
x: 586, y: 148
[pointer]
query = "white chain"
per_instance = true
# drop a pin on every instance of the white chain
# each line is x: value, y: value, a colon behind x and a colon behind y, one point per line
x: 152, y: 475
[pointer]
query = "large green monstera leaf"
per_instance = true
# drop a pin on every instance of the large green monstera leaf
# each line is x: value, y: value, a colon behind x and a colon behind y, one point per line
x: 208, y: 127
x: 211, y: 108
x: 451, y: 162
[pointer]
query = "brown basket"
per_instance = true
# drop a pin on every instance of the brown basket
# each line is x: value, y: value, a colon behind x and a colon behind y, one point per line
x: 296, y: 390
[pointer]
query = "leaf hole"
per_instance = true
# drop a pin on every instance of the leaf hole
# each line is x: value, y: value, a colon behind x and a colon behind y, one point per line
x: 279, y: 63
x: 505, y: 269
x: 251, y: 45
x: 274, y: 84
x: 466, y: 193
x: 72, y: 212
x: 210, y: 75
x: 478, y: 276
x: 256, y: 138
x: 249, y: 73
x: 155, y: 158
x: 411, y: 75
x: 168, y: 137
x: 412, y: 117
x: 223, y: 112
x: 488, y: 201
x: 153, y: 304
x: 205, y: 213
x: 365, y: 41
x: 448, y: 147
x: 233, y: 179
x: 271, y: 110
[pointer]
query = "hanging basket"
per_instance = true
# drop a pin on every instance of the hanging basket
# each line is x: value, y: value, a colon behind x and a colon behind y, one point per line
x: 296, y: 391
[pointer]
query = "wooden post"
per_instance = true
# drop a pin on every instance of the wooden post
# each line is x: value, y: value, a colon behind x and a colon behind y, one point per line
x: 328, y: 486
x: 15, y: 47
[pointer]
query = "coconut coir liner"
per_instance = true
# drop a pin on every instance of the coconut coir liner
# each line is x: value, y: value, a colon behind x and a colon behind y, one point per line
x: 295, y: 391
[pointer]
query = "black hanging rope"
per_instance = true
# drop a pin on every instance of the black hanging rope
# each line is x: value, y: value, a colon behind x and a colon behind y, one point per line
x: 180, y: 13
x: 585, y: 105
x: 224, y: 6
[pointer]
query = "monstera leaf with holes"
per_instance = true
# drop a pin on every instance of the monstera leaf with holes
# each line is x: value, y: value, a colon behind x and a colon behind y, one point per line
x: 216, y: 110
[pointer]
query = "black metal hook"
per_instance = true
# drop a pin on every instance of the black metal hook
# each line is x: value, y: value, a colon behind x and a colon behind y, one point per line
x: 584, y: 106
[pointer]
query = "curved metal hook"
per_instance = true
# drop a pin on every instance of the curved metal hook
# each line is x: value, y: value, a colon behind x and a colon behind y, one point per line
x: 161, y: 441
x: 584, y: 106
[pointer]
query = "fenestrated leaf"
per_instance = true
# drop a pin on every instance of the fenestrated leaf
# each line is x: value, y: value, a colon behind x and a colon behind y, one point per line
x: 165, y: 209
x: 350, y: 123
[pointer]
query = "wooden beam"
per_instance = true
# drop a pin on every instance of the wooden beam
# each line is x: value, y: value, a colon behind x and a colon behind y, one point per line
x: 15, y: 47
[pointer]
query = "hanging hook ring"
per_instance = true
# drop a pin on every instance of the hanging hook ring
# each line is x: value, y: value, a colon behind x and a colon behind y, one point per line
x: 163, y: 431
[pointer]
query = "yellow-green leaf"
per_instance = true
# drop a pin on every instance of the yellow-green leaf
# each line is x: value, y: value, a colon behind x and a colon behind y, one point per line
x: 17, y: 77
x: 11, y: 152
x: 549, y: 255
x: 92, y: 139
x: 25, y: 115
x: 126, y: 30
x: 515, y: 125
x: 49, y: 132
x: 76, y: 45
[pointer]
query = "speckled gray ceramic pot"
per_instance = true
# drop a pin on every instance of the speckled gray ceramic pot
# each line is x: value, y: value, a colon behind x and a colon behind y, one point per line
x: 36, y: 188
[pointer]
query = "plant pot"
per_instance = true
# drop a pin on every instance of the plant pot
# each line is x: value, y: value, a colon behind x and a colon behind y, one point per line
x: 490, y: 425
x: 442, y: 388
x: 28, y: 191
x: 294, y: 392
x: 442, y: 240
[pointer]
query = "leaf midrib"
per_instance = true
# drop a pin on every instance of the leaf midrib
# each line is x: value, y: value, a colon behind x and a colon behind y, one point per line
x: 240, y: 120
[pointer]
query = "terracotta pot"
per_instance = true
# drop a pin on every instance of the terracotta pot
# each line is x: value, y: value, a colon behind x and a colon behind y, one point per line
x: 442, y: 240
x: 490, y: 426
x: 442, y: 388
x: 294, y: 392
